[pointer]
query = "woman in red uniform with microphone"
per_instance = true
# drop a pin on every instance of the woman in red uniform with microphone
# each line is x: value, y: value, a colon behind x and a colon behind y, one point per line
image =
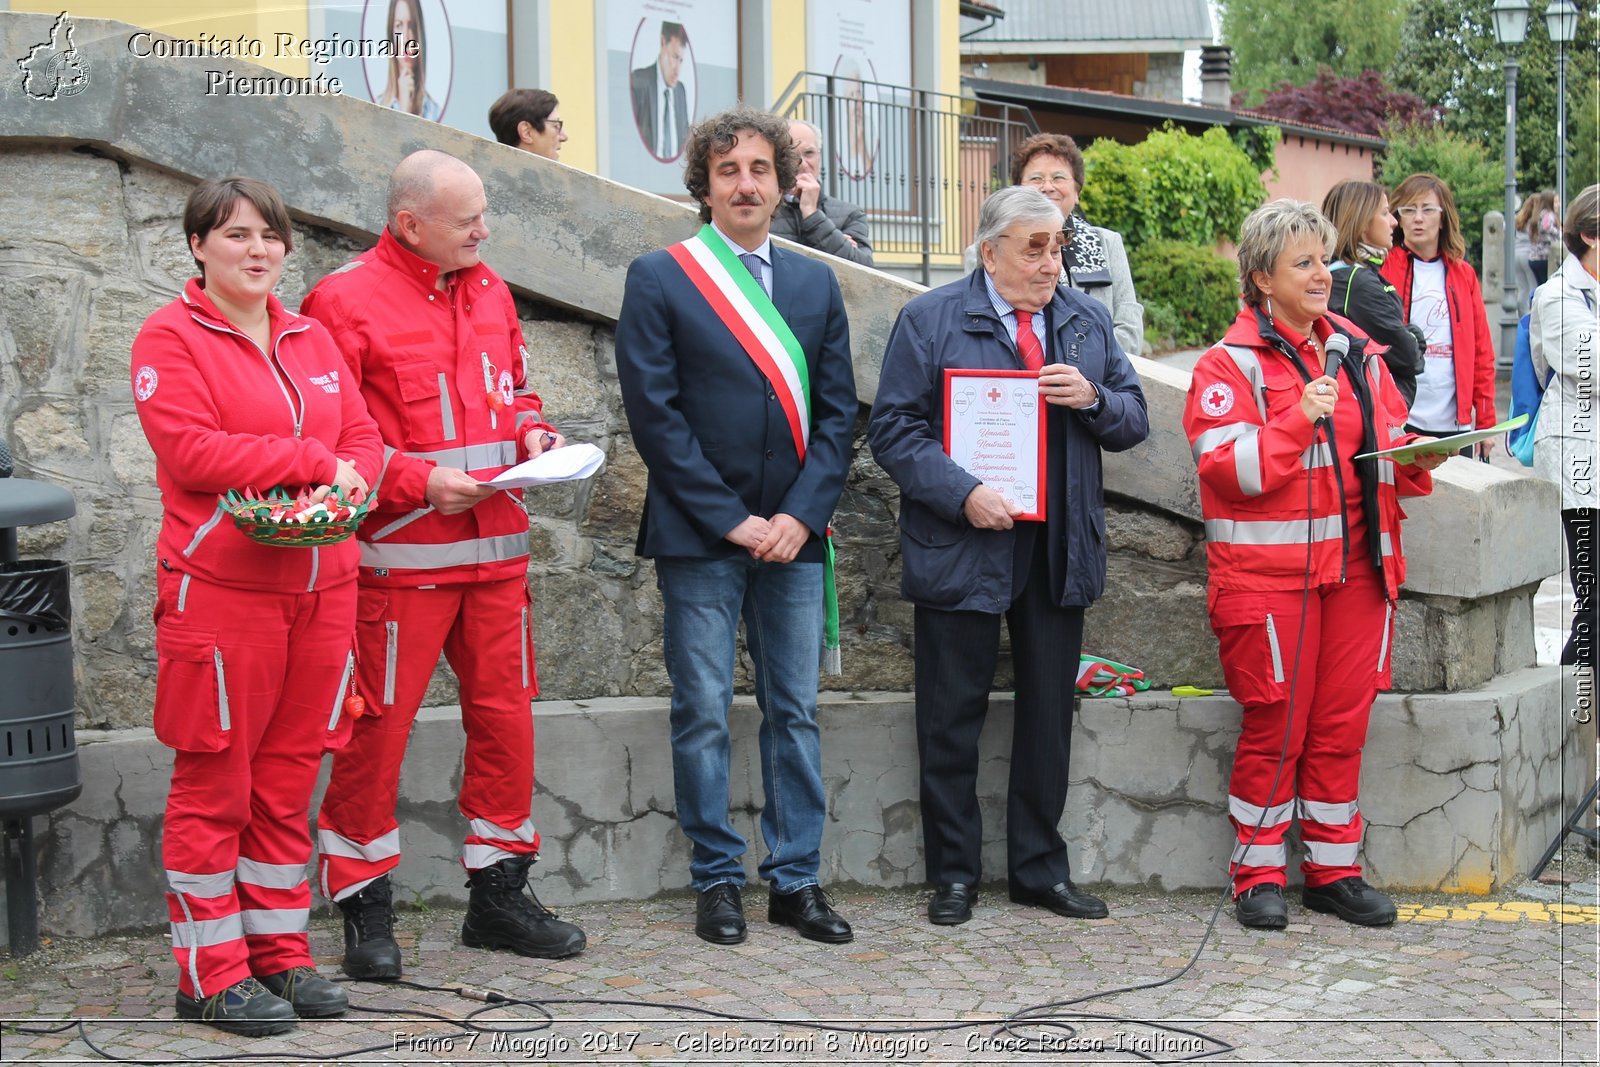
x: 254, y: 642
x: 1304, y: 560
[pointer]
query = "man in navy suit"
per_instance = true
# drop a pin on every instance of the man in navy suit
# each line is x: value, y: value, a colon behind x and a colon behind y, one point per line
x: 660, y: 101
x: 734, y: 360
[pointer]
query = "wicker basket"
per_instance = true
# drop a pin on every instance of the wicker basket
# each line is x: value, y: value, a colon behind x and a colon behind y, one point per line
x: 265, y: 517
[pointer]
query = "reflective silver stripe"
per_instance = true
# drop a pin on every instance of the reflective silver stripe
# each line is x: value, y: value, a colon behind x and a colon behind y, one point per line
x: 1328, y: 814
x: 1386, y: 471
x: 183, y: 593
x: 1247, y: 462
x: 1250, y: 367
x: 525, y: 416
x: 1272, y: 644
x: 1318, y: 455
x: 194, y: 957
x: 403, y: 521
x: 1333, y: 854
x: 198, y: 933
x: 450, y: 554
x: 1395, y: 433
x: 275, y: 920
x: 391, y: 654
x: 338, y: 696
x: 201, y: 885
x: 388, y: 454
x: 471, y: 457
x: 271, y: 875
x: 447, y: 418
x: 200, y: 534
x: 525, y: 638
x: 1385, y: 544
x: 316, y: 565
x: 1218, y: 436
x: 374, y: 851
x: 1271, y: 531
x: 223, y: 718
x: 477, y: 857
x: 495, y: 832
x: 1251, y: 815
x: 1383, y: 649
x: 1261, y: 855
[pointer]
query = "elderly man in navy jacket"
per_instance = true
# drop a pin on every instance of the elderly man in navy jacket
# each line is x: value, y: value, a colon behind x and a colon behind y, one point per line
x: 734, y: 360
x: 966, y: 560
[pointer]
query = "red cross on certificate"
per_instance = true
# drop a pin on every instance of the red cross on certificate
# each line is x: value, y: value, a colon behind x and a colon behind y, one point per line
x: 994, y: 396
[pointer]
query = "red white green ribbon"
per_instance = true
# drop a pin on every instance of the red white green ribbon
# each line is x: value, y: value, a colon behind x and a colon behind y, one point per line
x: 749, y: 314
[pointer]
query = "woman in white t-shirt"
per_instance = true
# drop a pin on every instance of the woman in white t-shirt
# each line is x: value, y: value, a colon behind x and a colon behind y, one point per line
x: 1442, y: 297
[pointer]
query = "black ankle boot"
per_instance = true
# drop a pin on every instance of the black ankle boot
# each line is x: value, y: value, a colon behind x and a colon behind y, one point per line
x: 370, y: 950
x: 503, y: 913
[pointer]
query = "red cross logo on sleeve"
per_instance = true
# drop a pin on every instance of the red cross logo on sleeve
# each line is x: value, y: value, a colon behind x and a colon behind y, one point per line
x: 1216, y: 399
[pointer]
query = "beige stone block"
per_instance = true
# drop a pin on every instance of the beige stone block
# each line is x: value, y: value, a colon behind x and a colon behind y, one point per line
x: 98, y: 603
x: 130, y: 458
x: 81, y: 217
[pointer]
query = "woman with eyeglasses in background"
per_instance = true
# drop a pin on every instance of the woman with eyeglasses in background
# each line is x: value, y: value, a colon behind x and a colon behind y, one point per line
x: 1440, y: 293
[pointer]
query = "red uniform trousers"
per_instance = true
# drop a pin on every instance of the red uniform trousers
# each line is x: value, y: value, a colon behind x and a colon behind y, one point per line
x: 250, y: 691
x: 484, y: 630
x: 1343, y: 660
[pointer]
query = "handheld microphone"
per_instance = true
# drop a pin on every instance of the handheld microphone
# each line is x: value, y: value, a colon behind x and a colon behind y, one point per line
x: 1334, y: 349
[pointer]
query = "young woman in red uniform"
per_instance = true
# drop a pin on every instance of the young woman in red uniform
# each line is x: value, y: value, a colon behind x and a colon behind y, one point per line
x: 1303, y: 558
x: 253, y: 642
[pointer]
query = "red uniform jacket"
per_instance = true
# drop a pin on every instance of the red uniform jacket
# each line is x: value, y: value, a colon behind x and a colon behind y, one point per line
x: 1253, y: 447
x: 427, y: 362
x: 221, y: 414
x: 1469, y: 333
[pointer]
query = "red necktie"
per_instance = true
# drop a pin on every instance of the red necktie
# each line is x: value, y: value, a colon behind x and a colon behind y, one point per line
x: 1028, y: 346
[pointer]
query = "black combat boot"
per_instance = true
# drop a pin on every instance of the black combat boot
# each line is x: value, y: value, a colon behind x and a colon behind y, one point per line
x: 500, y: 914
x: 370, y: 950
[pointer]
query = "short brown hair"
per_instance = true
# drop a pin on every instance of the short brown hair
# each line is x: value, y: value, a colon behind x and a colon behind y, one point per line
x: 719, y: 133
x: 1583, y: 220
x: 211, y: 203
x: 1350, y: 206
x: 1052, y: 144
x: 532, y: 106
x: 1415, y: 188
x: 1266, y: 233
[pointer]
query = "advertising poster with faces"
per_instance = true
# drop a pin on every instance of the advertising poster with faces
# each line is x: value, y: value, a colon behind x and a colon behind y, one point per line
x: 454, y: 68
x: 866, y: 142
x: 667, y: 65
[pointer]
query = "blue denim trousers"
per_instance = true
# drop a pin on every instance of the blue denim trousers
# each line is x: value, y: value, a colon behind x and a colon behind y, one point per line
x: 703, y: 600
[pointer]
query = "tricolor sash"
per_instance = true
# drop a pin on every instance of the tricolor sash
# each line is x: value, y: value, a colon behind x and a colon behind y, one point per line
x: 747, y: 311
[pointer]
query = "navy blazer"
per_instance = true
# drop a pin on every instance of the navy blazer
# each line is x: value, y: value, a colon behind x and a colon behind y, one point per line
x: 705, y: 421
x: 945, y: 562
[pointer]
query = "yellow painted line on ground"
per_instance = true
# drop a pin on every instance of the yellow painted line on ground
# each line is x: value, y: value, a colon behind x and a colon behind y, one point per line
x: 1509, y: 911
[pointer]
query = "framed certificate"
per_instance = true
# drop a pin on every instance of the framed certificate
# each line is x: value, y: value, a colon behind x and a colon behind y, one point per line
x: 994, y: 429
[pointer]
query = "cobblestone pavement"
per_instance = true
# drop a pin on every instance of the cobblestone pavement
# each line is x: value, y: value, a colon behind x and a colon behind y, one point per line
x: 1457, y: 980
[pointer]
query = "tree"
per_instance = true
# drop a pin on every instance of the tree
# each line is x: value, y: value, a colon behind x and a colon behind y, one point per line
x: 1449, y: 57
x: 1361, y: 105
x: 1171, y: 186
x: 1284, y: 41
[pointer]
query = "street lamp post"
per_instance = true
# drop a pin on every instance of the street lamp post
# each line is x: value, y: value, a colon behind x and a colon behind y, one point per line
x: 1561, y: 19
x: 1510, y: 29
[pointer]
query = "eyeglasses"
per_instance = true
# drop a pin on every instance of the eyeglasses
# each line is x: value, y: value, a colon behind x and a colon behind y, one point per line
x: 1060, y: 177
x: 1411, y: 211
x: 557, y: 123
x: 1046, y: 242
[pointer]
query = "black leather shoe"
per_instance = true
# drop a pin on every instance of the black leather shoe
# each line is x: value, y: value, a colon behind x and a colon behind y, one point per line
x: 808, y: 911
x: 719, y: 916
x: 308, y: 993
x: 1063, y: 898
x: 370, y: 950
x: 952, y: 904
x: 243, y: 1008
x: 503, y: 912
x: 1353, y: 900
x: 1262, y: 907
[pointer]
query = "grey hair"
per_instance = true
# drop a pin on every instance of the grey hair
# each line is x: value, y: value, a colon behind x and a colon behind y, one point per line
x: 1266, y: 233
x: 812, y: 126
x: 1011, y: 205
x: 412, y: 184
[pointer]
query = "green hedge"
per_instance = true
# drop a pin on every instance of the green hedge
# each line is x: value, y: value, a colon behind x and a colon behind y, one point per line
x: 1190, y: 293
x: 1172, y: 186
x: 1475, y: 177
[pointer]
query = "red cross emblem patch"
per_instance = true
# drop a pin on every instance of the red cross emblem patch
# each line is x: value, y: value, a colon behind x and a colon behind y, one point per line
x: 1216, y: 399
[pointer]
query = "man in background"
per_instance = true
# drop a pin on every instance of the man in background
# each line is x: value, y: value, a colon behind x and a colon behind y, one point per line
x: 818, y: 221
x: 660, y: 101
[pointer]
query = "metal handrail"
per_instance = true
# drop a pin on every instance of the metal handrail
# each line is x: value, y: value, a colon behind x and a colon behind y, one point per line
x: 918, y: 162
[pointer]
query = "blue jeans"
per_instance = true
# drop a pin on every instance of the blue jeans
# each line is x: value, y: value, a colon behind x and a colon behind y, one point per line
x: 781, y: 604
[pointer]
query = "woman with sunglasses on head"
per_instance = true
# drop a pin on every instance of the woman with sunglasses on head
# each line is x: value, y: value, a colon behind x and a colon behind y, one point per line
x: 1440, y: 293
x: 1359, y: 212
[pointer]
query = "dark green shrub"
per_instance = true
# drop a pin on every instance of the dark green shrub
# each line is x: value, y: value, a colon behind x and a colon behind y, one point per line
x: 1190, y: 293
x: 1172, y: 186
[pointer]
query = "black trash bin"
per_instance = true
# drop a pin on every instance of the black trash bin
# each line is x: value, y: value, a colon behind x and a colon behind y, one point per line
x: 38, y: 749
